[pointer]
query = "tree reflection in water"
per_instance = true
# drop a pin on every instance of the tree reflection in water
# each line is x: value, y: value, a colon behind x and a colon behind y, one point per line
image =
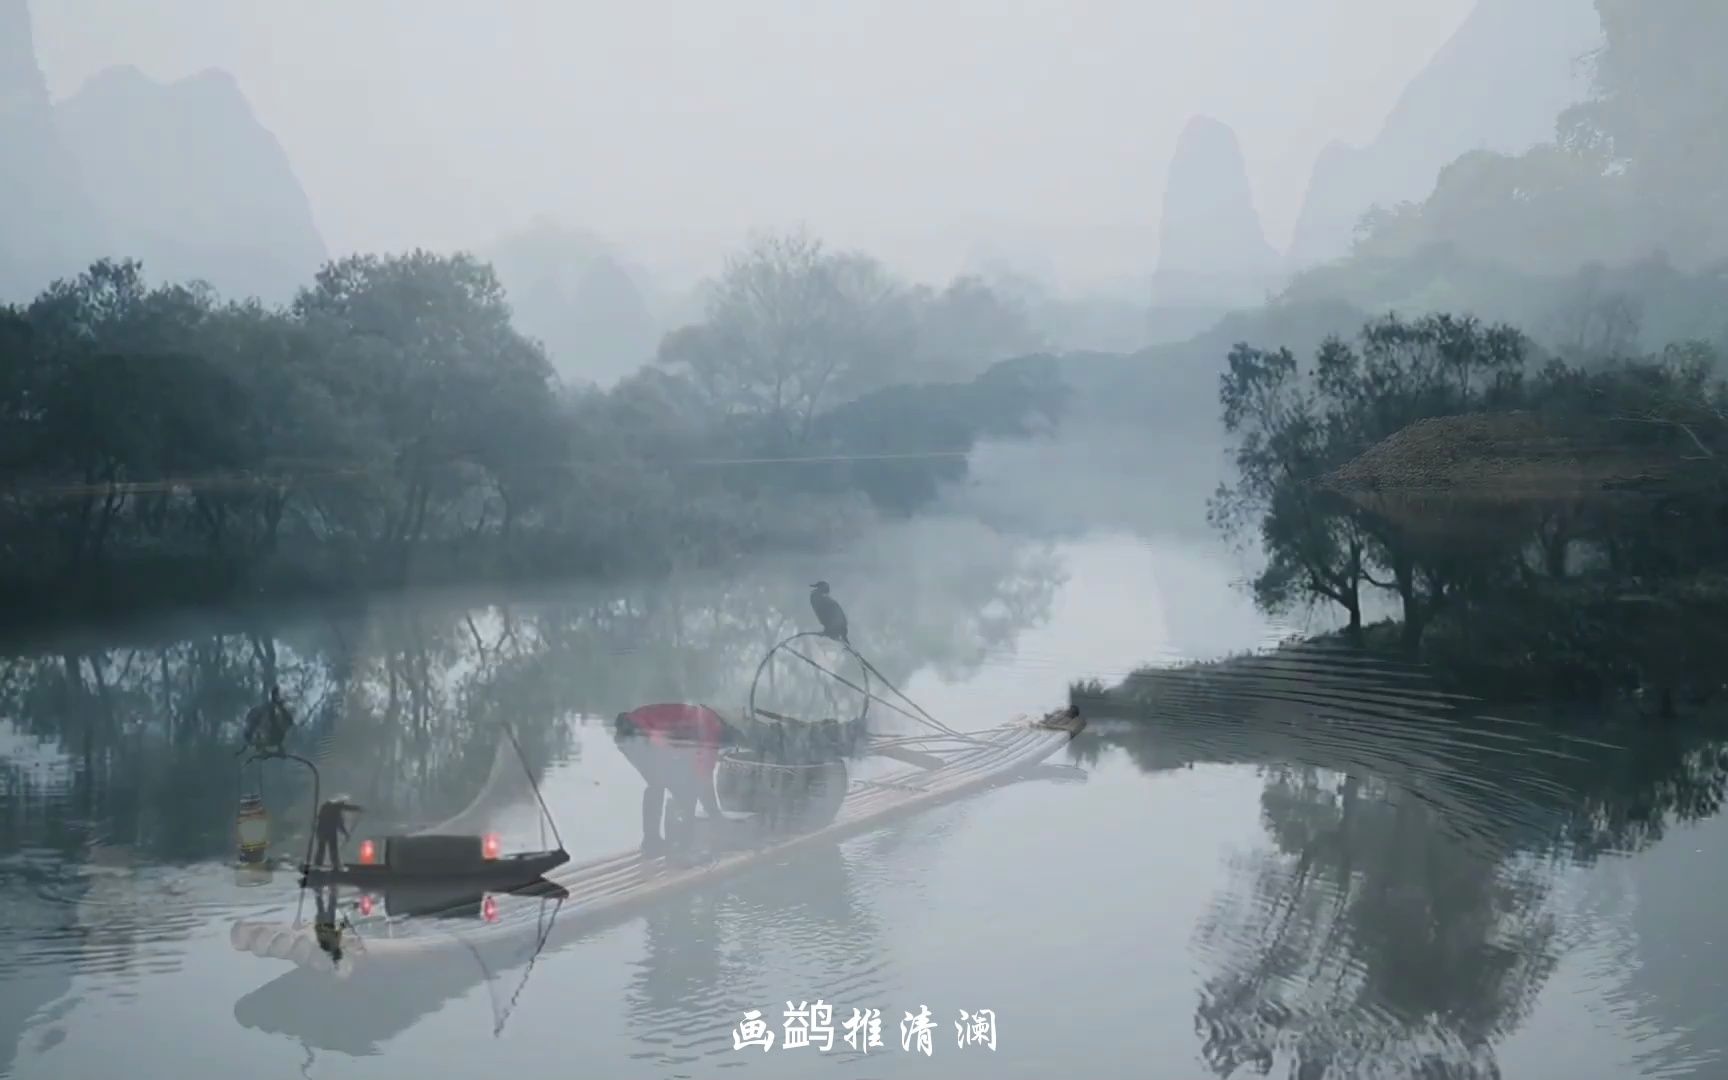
x: 400, y: 703
x: 1402, y: 920
x: 1371, y: 936
x: 709, y: 950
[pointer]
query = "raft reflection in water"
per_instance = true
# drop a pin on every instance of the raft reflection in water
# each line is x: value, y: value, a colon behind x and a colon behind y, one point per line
x: 381, y: 1000
x: 369, y: 1003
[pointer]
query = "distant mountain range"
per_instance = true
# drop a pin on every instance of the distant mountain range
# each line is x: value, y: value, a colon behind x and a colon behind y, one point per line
x: 184, y: 177
x: 1497, y: 84
x: 190, y: 182
x: 180, y: 176
x: 47, y: 223
x: 1212, y: 251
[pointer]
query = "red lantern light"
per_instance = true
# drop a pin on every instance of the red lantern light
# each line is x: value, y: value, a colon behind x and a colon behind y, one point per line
x: 489, y: 909
x: 365, y: 905
x: 493, y: 845
x: 368, y: 853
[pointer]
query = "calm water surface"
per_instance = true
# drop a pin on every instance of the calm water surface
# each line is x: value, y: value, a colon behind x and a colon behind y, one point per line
x: 1304, y: 865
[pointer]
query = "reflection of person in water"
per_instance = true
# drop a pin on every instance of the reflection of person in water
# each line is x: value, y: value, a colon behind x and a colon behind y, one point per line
x: 675, y: 748
x: 688, y: 981
x: 325, y: 927
x: 681, y: 972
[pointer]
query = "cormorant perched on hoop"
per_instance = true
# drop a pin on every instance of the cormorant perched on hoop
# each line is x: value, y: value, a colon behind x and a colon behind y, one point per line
x: 828, y: 611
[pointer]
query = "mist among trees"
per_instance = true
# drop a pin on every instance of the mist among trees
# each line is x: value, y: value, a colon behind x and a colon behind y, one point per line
x: 393, y: 424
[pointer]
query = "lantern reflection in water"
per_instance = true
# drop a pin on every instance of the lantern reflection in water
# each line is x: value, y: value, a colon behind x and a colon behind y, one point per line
x: 253, y: 825
x: 489, y: 909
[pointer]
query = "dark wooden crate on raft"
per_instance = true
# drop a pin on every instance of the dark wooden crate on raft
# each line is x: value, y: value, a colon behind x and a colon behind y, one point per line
x: 433, y: 853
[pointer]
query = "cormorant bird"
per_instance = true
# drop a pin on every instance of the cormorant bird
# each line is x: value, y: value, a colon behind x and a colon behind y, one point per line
x: 828, y: 611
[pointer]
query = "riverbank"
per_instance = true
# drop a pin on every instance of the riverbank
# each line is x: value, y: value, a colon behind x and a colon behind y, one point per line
x: 1489, y: 672
x: 1145, y: 691
x: 148, y: 586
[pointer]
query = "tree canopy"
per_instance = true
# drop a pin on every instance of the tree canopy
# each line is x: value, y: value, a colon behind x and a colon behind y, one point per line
x: 393, y: 423
x: 1489, y: 534
x: 792, y: 328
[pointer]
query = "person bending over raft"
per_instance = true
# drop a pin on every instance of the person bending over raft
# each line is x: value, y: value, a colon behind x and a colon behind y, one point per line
x: 675, y: 748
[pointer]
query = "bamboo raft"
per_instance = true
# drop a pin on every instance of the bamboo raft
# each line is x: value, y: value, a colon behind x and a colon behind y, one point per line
x: 616, y: 887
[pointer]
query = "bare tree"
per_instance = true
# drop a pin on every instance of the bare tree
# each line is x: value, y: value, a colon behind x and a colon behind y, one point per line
x: 792, y: 328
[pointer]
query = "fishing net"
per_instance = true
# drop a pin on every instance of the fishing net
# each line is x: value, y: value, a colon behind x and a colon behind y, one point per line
x: 505, y: 788
x: 509, y: 786
x: 521, y: 948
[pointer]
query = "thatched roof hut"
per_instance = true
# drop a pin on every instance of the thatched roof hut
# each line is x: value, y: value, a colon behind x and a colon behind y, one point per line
x: 1487, y: 476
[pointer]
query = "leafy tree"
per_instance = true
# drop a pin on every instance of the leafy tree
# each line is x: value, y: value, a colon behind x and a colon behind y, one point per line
x: 1512, y: 588
x: 1295, y: 426
x: 450, y: 381
x: 161, y: 445
x: 1312, y: 556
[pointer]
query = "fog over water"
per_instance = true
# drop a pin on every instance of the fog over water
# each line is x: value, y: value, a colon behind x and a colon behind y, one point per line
x: 1126, y: 539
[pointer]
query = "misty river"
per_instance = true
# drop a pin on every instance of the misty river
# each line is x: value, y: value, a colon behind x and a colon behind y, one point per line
x: 1317, y: 860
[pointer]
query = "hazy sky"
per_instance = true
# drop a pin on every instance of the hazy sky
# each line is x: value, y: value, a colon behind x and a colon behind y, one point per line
x: 909, y: 128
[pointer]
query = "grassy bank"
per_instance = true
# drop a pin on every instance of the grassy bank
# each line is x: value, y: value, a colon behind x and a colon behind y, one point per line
x: 1581, y: 664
